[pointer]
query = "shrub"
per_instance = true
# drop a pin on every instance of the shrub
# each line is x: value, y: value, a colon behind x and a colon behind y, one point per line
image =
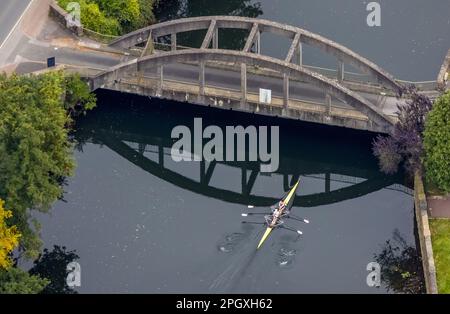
x: 437, y: 143
x: 405, y: 143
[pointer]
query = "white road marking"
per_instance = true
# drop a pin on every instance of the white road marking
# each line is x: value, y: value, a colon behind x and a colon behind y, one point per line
x: 17, y: 23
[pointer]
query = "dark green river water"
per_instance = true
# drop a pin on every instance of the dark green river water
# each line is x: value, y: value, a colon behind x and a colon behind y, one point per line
x: 141, y: 226
x: 138, y: 225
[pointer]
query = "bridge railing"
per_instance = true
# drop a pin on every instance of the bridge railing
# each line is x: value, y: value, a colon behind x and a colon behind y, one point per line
x: 151, y: 81
x: 103, y: 38
x: 351, y: 77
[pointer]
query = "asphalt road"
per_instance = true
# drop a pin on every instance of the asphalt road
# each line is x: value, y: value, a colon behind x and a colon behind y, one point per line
x: 297, y: 90
x: 10, y: 12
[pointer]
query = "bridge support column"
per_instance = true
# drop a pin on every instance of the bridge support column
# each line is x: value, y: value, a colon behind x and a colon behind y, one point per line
x: 285, y: 93
x: 300, y: 54
x: 215, y: 39
x: 159, y: 89
x: 340, y: 71
x: 258, y: 43
x: 201, y: 81
x: 173, y: 41
x: 243, y: 85
x: 328, y: 104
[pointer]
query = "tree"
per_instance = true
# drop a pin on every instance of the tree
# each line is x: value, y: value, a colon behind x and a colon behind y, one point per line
x: 94, y: 19
x: 126, y: 12
x: 78, y: 98
x: 9, y: 238
x: 114, y: 17
x: 147, y: 16
x: 17, y: 281
x: 35, y: 151
x: 437, y: 143
x: 405, y: 143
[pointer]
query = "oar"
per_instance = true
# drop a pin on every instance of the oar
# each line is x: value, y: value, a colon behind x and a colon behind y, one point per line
x: 251, y: 214
x: 253, y: 223
x: 291, y: 229
x: 306, y: 221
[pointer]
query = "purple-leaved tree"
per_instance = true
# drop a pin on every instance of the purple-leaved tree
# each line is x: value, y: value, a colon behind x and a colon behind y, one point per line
x: 405, y: 143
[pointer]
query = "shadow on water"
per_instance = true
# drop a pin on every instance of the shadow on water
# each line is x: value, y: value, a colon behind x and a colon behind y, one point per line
x: 131, y: 129
x: 52, y: 265
x: 401, y: 266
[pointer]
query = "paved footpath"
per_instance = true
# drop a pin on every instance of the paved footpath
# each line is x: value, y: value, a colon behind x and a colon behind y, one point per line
x: 439, y: 206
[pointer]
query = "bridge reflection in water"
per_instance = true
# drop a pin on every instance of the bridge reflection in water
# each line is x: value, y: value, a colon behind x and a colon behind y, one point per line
x: 144, y: 140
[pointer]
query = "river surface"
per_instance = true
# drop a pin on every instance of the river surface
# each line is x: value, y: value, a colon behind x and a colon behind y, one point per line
x: 138, y: 225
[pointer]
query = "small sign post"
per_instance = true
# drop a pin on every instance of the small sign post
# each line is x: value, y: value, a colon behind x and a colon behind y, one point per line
x: 51, y: 62
x: 265, y: 96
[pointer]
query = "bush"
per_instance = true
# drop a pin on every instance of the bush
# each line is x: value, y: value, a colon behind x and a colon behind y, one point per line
x: 94, y: 19
x: 437, y: 143
x: 405, y: 143
x: 114, y: 17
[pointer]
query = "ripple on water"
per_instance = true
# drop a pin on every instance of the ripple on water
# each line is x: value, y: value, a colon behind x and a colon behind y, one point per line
x: 230, y: 242
x: 286, y: 257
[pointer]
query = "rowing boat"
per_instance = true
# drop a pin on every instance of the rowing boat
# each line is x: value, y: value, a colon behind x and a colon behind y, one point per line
x: 280, y: 210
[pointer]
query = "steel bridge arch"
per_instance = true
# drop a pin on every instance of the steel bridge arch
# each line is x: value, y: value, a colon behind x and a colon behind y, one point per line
x: 256, y: 26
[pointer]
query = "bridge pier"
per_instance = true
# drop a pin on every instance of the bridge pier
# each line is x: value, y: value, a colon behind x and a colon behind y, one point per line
x: 201, y: 81
x: 243, y: 85
x: 258, y: 42
x: 300, y: 54
x: 285, y: 93
x: 340, y: 71
x: 328, y: 104
x: 173, y: 41
x: 160, y: 72
x: 215, y: 39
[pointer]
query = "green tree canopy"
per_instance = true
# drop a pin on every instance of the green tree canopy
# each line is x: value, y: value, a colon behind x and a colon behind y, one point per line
x: 114, y: 17
x: 35, y: 151
x: 437, y: 143
x: 17, y: 281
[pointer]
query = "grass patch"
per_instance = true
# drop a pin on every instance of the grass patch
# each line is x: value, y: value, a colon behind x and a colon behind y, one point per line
x: 432, y: 190
x: 440, y: 235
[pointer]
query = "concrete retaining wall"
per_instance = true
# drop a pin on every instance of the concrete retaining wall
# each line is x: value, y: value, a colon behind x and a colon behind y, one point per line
x: 421, y: 207
x: 60, y: 15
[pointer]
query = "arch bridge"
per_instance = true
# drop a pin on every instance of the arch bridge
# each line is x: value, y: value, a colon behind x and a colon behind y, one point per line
x: 351, y: 108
